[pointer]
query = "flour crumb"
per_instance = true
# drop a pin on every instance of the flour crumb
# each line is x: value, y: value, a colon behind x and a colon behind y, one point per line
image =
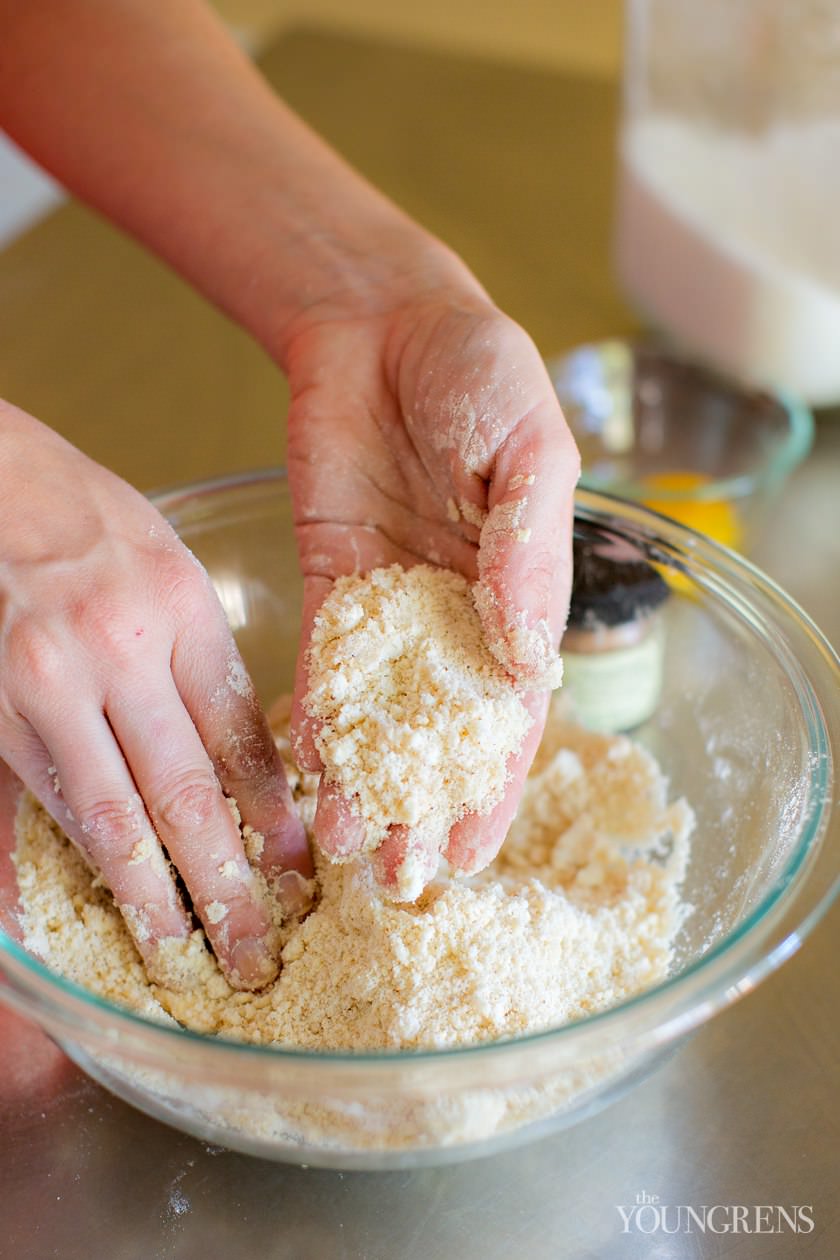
x: 238, y: 680
x: 502, y: 520
x: 519, y: 480
x: 143, y: 850
x: 183, y: 965
x: 473, y: 515
x: 254, y: 843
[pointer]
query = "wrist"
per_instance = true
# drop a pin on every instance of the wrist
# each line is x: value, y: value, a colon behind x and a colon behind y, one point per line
x: 369, y: 262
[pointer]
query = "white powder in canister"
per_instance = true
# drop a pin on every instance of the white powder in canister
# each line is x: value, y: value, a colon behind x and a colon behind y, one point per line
x: 727, y: 239
x: 578, y: 912
x: 417, y: 717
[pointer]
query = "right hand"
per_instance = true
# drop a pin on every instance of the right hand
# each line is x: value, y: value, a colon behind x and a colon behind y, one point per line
x: 423, y: 422
x: 126, y: 709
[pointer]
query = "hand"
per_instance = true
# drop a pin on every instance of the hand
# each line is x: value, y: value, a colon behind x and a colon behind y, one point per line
x: 416, y: 411
x: 413, y: 397
x: 126, y: 709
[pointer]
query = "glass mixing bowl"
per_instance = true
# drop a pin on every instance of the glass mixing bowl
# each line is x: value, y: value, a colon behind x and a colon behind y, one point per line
x: 748, y: 730
x: 655, y: 427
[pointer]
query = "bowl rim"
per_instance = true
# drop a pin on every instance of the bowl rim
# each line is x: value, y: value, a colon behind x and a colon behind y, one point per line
x: 728, y: 969
x: 791, y: 452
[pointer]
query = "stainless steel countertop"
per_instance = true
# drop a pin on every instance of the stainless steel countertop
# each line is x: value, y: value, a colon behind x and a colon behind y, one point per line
x: 747, y: 1112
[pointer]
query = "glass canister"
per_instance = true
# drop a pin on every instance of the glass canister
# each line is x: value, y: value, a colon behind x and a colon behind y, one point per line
x: 728, y: 228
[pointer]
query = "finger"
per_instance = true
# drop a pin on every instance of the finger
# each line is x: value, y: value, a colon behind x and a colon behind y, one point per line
x: 338, y: 830
x: 185, y: 802
x: 405, y: 863
x: 525, y: 549
x: 477, y: 838
x: 236, y: 735
x: 82, y: 779
x: 303, y: 729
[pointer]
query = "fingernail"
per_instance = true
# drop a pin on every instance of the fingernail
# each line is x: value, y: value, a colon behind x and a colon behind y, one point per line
x: 293, y: 893
x: 252, y: 966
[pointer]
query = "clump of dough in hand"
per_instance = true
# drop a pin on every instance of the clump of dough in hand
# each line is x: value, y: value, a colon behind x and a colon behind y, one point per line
x: 417, y: 717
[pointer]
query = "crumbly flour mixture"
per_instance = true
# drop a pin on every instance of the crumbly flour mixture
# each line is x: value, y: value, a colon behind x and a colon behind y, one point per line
x: 417, y: 717
x: 578, y: 912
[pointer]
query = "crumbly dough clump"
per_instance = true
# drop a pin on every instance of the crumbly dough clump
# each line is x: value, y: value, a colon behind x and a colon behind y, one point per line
x: 577, y: 913
x: 418, y: 719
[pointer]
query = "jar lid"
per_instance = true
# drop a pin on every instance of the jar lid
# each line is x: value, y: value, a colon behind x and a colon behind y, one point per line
x: 612, y: 581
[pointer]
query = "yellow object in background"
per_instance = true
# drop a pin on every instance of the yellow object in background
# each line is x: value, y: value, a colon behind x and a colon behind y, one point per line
x: 715, y: 517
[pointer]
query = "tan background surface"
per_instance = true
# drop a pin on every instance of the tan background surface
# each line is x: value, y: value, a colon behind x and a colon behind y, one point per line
x: 577, y: 34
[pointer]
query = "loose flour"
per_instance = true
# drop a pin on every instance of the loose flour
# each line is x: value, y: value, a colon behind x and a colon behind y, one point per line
x: 578, y: 912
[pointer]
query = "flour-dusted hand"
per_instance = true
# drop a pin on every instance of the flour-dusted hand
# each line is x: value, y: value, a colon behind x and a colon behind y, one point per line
x: 424, y: 428
x: 126, y: 709
x: 423, y: 424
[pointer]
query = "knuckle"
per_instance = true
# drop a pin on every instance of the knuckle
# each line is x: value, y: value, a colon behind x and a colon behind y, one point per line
x: 34, y: 654
x: 190, y: 802
x: 107, y: 629
x: 180, y: 581
x: 111, y: 824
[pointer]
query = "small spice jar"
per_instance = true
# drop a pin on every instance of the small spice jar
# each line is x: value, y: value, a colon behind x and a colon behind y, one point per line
x: 614, y: 645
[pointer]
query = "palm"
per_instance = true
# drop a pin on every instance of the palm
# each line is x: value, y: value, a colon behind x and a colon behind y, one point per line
x: 367, y: 489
